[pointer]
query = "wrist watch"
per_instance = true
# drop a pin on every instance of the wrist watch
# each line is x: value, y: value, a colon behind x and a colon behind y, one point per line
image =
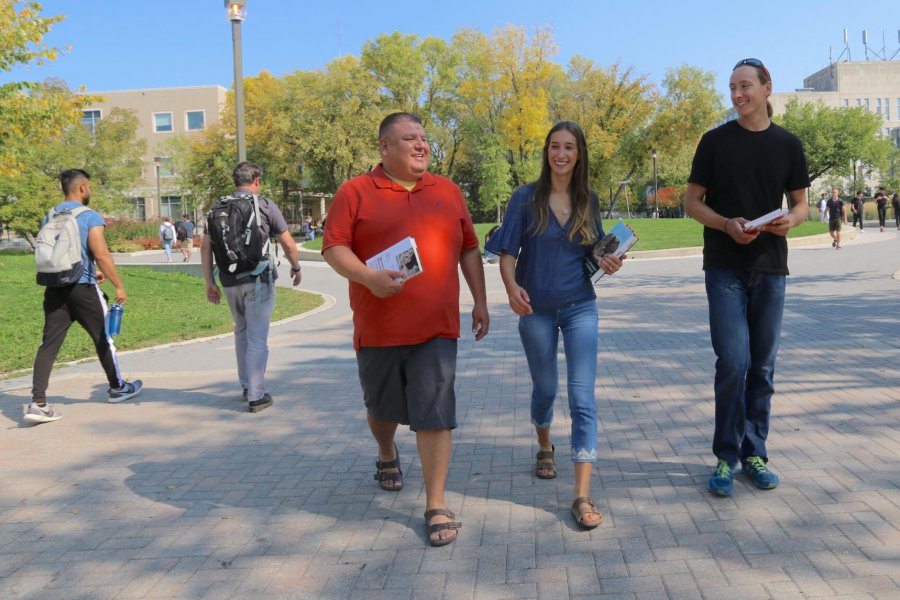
x: 297, y: 270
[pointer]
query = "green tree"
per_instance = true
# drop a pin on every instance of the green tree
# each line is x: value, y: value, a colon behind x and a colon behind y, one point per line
x: 30, y: 113
x: 834, y: 138
x: 112, y: 156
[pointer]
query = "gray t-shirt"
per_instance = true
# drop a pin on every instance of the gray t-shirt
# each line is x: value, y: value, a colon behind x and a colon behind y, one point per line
x: 271, y: 223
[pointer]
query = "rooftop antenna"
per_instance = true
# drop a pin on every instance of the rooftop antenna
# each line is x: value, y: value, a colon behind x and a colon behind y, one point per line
x: 865, y: 38
x: 846, y: 49
x: 894, y: 55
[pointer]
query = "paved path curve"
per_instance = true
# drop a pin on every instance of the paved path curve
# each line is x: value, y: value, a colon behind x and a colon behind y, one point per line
x: 182, y: 494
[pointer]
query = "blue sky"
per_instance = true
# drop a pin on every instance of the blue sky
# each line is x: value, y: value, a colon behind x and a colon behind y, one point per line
x: 125, y: 44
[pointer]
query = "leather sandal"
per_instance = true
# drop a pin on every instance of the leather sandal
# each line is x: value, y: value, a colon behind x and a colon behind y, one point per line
x: 432, y: 529
x: 397, y: 478
x: 545, y: 463
x: 584, y: 506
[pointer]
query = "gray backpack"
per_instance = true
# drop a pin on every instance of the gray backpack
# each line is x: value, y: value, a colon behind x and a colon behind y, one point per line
x: 57, y: 248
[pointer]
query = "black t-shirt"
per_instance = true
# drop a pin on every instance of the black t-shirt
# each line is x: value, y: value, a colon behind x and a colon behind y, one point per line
x: 835, y: 210
x: 746, y: 174
x: 881, y: 201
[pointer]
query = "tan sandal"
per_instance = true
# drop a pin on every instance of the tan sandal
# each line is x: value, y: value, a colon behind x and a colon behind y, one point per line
x: 545, y: 462
x: 583, y: 506
x: 432, y: 529
x: 397, y: 478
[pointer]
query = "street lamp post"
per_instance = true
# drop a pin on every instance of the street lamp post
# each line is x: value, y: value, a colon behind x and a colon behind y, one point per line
x: 655, y: 187
x: 236, y: 14
x: 158, y: 194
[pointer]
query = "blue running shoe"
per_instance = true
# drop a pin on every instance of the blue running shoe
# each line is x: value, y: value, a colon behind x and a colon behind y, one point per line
x: 755, y: 468
x: 722, y: 481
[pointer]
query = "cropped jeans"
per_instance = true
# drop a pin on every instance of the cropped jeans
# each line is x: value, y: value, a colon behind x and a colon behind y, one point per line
x: 745, y: 312
x: 540, y: 338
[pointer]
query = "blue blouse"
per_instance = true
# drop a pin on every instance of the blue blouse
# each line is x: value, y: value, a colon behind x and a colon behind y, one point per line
x: 548, y: 266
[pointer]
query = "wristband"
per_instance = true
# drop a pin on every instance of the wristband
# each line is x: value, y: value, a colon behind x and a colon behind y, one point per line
x: 297, y: 270
x: 725, y: 227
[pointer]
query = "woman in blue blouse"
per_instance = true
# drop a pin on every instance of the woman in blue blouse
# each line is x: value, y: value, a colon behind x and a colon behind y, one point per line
x: 548, y: 230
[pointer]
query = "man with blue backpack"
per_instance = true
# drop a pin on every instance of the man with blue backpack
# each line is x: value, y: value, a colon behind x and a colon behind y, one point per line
x: 236, y: 243
x: 69, y: 243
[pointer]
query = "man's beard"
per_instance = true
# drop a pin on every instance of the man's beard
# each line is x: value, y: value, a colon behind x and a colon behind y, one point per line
x: 85, y: 200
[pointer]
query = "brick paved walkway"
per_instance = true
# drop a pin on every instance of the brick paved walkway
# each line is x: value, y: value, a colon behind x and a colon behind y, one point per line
x: 181, y: 494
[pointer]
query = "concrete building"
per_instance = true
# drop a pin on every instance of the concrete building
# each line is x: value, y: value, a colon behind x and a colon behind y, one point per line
x: 873, y: 85
x: 163, y: 113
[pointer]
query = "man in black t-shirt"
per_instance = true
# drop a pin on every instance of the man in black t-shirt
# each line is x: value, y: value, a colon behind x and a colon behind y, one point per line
x: 741, y: 171
x: 881, y: 201
x: 836, y: 217
x: 857, y: 207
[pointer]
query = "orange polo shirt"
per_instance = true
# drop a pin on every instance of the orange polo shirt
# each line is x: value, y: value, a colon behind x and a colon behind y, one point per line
x: 371, y: 213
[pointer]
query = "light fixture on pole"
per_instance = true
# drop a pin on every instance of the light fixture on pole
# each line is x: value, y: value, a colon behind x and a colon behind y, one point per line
x: 236, y: 13
x: 655, y: 187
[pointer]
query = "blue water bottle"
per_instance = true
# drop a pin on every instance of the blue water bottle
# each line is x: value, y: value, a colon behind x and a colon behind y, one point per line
x: 114, y: 326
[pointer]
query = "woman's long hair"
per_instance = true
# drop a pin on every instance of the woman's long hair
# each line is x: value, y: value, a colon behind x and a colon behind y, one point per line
x: 584, y: 201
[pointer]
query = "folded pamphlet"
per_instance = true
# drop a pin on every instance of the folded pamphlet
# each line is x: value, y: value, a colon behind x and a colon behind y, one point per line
x: 617, y: 242
x: 765, y: 219
x: 402, y: 256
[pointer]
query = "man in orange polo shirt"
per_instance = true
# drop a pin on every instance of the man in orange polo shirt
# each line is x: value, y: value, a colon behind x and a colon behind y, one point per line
x: 405, y: 332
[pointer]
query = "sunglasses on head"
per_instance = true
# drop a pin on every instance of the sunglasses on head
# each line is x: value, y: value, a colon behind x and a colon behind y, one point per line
x: 752, y: 62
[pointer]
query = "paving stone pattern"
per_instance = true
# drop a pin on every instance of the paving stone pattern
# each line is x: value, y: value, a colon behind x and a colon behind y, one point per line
x: 182, y: 494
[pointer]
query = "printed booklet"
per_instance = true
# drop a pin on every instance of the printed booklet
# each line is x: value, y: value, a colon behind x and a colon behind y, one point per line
x: 765, y: 219
x: 617, y: 242
x: 402, y: 256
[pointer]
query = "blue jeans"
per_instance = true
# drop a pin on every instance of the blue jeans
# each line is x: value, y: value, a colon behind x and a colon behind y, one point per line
x: 745, y: 311
x: 167, y: 247
x: 540, y: 338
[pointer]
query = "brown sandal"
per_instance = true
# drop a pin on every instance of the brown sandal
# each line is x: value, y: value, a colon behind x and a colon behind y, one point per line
x: 396, y: 478
x: 432, y: 529
x: 584, y: 506
x: 545, y: 462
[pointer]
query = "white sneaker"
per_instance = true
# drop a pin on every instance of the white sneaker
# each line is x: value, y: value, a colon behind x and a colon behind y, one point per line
x: 129, y: 390
x: 35, y: 414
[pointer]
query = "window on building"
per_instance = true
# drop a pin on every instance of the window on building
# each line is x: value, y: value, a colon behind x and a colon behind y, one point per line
x: 866, y: 104
x: 138, y: 208
x: 162, y: 122
x: 90, y: 118
x: 166, y: 166
x: 170, y: 206
x: 195, y: 120
x: 846, y: 102
x: 887, y: 109
x: 878, y: 106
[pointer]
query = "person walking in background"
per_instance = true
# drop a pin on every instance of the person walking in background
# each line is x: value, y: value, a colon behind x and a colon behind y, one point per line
x: 823, y: 208
x: 82, y: 302
x: 741, y: 171
x: 858, y: 208
x: 185, y: 234
x: 250, y: 295
x: 549, y: 228
x: 405, y: 332
x: 895, y: 204
x: 837, y: 217
x: 881, y: 201
x: 308, y: 231
x: 167, y: 236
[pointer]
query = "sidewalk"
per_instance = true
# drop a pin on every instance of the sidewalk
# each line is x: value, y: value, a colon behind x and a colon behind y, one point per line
x: 181, y: 494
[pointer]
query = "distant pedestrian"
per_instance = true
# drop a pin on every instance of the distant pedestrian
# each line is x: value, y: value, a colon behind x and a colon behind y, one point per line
x: 309, y: 231
x: 858, y: 208
x: 881, y: 202
x: 550, y: 227
x: 167, y: 236
x: 837, y: 217
x: 185, y: 235
x: 895, y: 204
x: 250, y: 294
x: 823, y: 208
x: 741, y: 171
x: 82, y: 302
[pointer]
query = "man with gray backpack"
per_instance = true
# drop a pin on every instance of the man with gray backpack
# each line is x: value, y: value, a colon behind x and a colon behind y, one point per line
x: 67, y: 246
x: 237, y: 236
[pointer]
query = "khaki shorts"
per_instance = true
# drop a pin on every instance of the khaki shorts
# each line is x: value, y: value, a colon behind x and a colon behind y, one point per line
x: 186, y: 245
x: 412, y: 385
x: 835, y: 225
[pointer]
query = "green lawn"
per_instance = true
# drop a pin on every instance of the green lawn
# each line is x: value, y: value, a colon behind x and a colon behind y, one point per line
x: 653, y: 234
x: 161, y: 308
